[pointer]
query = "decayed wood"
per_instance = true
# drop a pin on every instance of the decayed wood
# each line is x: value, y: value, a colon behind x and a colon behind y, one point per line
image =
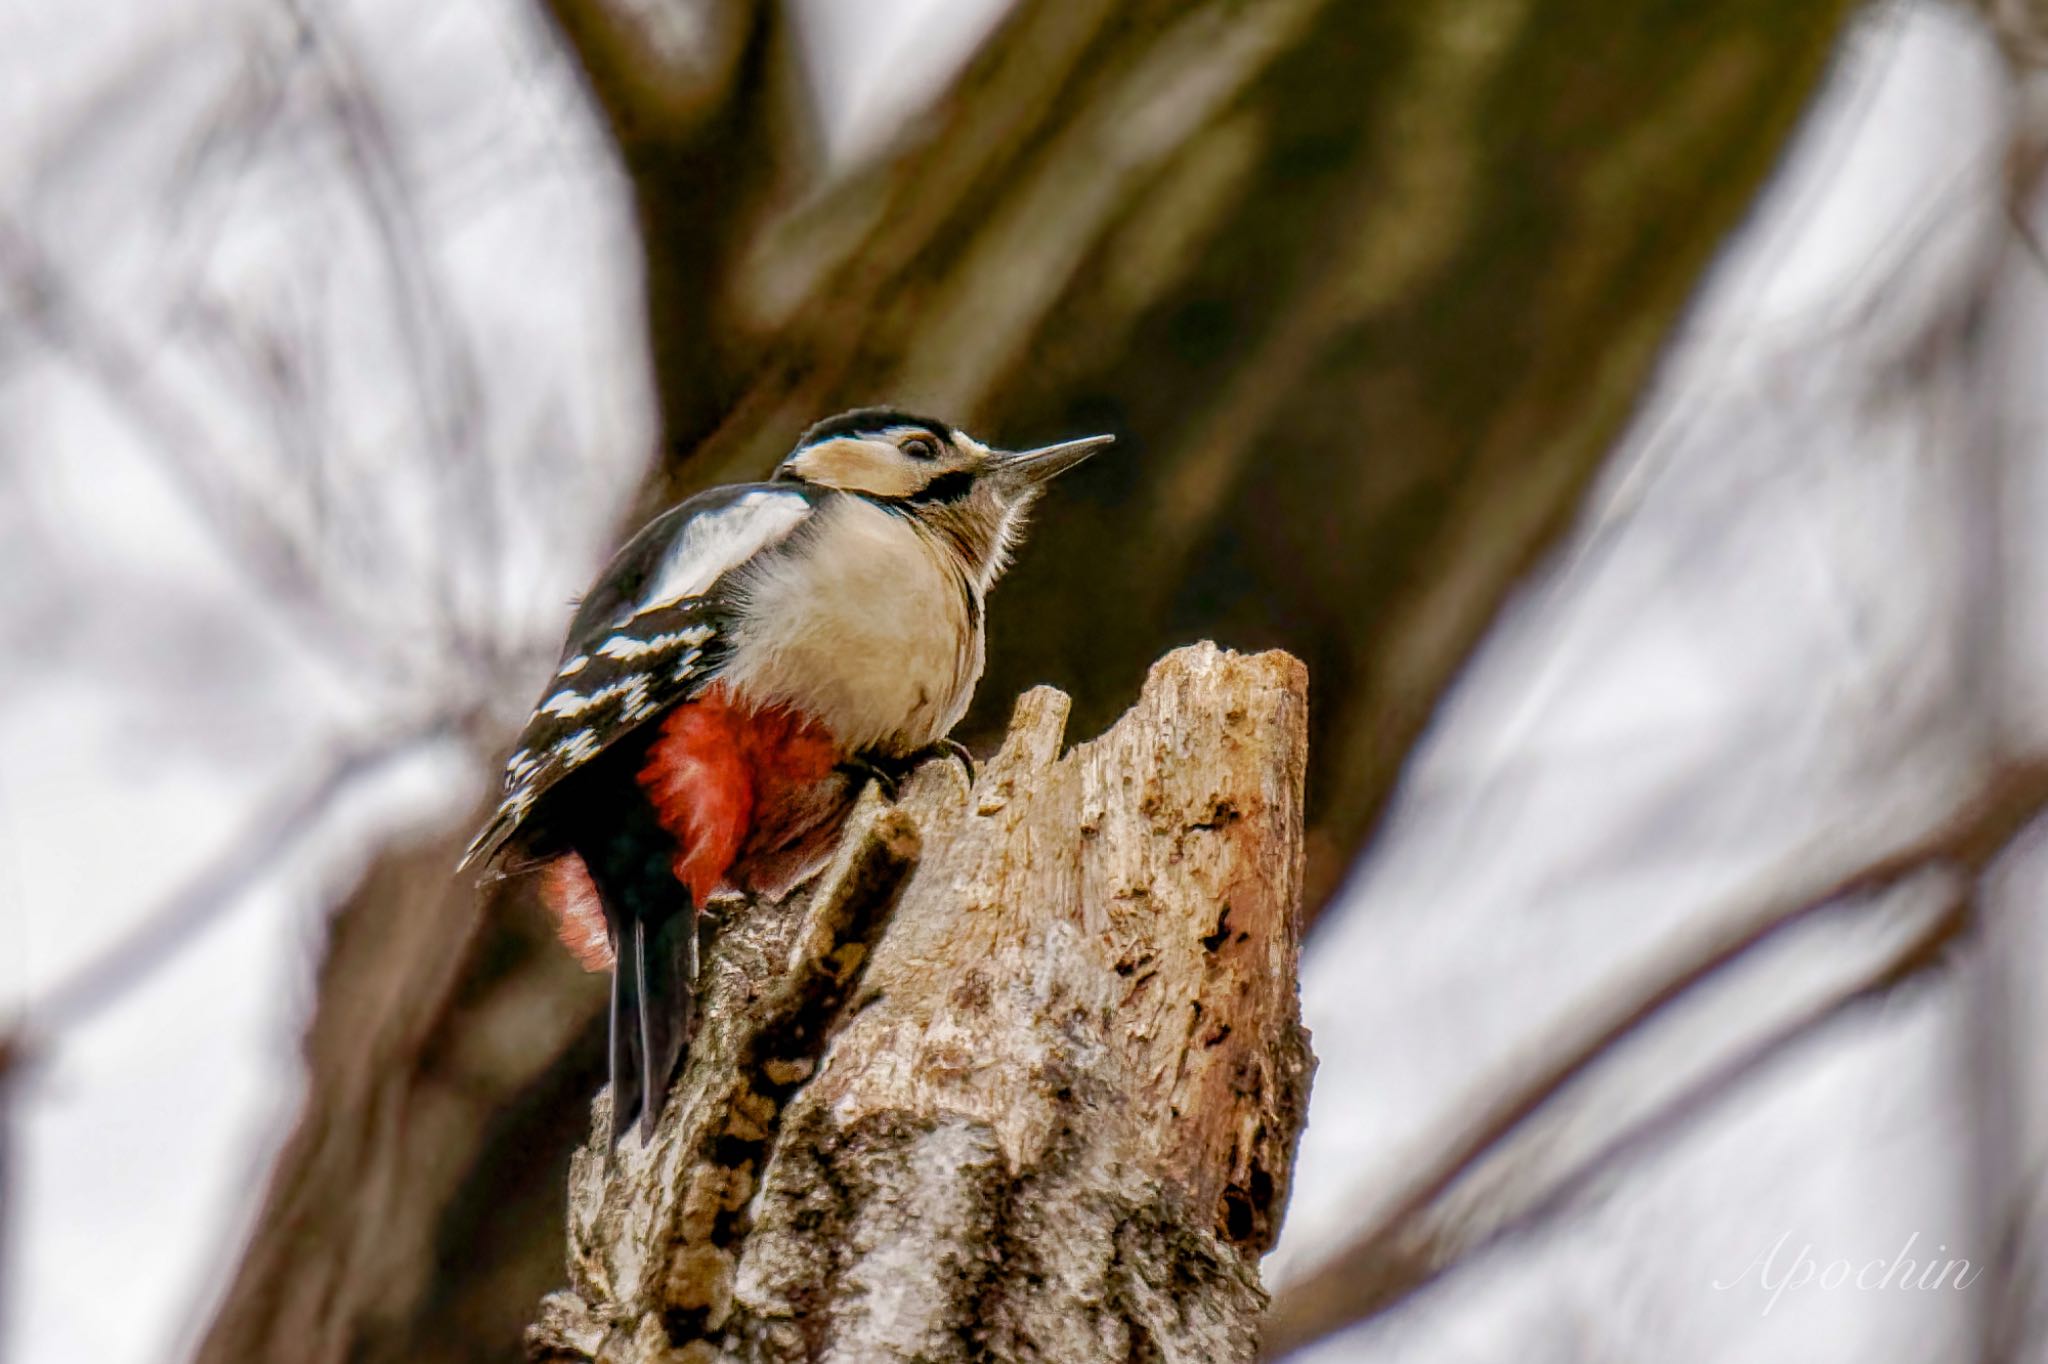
x: 1020, y: 1077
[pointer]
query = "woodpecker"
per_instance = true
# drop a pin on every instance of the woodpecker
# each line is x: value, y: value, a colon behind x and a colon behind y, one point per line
x: 727, y: 677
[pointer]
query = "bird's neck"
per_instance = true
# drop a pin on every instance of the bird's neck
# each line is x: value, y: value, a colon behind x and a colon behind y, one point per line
x: 979, y: 529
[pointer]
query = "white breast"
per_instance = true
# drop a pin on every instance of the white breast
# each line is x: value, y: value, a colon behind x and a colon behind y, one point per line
x: 864, y: 625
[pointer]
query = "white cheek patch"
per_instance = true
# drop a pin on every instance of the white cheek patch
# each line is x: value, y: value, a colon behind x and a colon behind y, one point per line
x: 715, y: 543
x: 860, y: 466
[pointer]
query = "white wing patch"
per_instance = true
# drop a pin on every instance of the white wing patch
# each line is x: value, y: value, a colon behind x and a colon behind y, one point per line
x: 576, y: 747
x: 717, y: 542
x: 627, y: 648
x: 570, y: 704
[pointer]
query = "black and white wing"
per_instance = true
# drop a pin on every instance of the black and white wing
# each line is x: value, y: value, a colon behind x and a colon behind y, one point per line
x: 650, y: 632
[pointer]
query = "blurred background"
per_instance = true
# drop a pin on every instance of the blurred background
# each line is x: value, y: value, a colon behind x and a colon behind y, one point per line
x: 1636, y: 414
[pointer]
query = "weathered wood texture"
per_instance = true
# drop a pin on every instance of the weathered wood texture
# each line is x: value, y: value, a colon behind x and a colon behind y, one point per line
x: 1020, y: 1078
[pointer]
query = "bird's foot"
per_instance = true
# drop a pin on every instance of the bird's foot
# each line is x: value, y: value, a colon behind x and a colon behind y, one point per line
x: 889, y: 773
x: 884, y: 774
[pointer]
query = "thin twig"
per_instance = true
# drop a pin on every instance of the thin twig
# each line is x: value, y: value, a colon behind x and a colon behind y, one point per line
x: 247, y: 531
x: 157, y: 938
x: 439, y: 365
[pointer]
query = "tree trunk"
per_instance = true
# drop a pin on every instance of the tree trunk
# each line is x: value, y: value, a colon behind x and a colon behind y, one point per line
x: 1020, y: 1077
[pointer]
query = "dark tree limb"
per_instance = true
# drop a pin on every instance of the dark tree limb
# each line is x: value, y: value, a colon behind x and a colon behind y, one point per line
x: 1368, y: 291
x: 435, y: 1038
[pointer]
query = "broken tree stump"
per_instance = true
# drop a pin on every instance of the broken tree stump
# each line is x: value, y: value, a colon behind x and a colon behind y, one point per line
x: 1018, y: 1077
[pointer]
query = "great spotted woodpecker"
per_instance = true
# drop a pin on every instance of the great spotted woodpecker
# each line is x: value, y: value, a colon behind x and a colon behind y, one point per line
x: 737, y: 660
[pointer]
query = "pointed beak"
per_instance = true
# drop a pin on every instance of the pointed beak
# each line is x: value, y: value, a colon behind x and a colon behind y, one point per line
x: 1032, y: 468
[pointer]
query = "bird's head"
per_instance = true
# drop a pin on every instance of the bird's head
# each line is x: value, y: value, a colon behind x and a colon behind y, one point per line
x: 973, y: 495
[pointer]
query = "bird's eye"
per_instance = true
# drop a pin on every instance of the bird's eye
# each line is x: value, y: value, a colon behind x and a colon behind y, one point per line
x: 921, y: 447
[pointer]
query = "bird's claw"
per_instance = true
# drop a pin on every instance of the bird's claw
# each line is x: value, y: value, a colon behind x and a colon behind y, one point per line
x: 867, y: 769
x: 953, y: 748
x: 888, y: 773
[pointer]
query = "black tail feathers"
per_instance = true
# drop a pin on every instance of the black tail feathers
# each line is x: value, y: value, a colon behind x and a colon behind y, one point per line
x: 653, y: 925
x: 654, y: 1005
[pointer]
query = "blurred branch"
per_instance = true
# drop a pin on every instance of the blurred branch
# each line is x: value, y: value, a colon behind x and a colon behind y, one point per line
x: 431, y: 1044
x: 661, y: 69
x: 686, y: 88
x: 160, y: 933
x: 1926, y: 950
x: 163, y: 932
x: 1520, y: 1202
x: 1245, y: 236
x: 1416, y: 1239
x: 2000, y: 1172
x: 317, y: 535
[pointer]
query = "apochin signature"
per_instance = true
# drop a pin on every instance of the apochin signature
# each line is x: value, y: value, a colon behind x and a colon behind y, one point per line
x: 1898, y: 1271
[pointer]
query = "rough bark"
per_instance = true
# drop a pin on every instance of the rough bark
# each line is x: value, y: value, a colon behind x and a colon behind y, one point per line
x: 1020, y: 1078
